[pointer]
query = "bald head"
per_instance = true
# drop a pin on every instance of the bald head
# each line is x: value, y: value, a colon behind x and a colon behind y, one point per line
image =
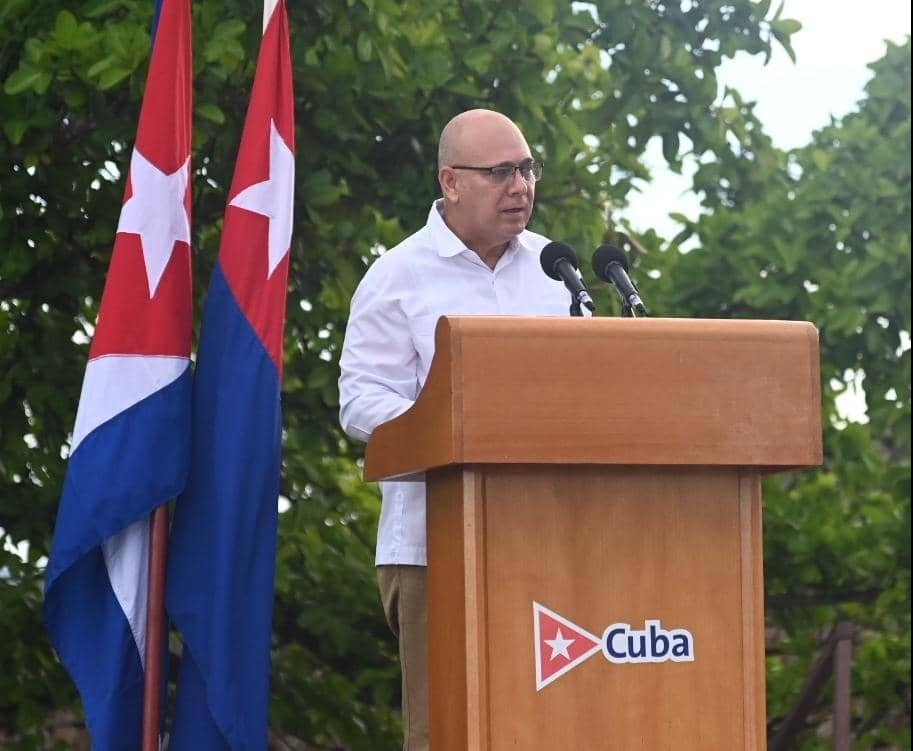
x: 465, y: 137
x: 481, y: 208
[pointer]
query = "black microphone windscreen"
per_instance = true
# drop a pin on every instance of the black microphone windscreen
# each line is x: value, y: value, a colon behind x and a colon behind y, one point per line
x: 606, y: 254
x: 554, y: 252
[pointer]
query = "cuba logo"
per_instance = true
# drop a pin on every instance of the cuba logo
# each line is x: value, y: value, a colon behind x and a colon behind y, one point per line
x: 560, y: 645
x: 622, y: 644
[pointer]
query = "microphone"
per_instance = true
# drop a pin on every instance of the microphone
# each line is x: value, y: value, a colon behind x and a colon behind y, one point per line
x: 559, y: 261
x: 611, y: 265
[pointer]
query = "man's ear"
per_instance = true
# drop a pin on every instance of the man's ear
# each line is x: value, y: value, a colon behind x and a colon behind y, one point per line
x: 447, y: 177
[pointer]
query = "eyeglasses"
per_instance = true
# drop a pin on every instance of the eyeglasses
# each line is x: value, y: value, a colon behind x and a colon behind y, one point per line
x: 529, y: 169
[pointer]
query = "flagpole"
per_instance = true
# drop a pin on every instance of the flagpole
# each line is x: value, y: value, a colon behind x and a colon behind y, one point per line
x: 155, y: 629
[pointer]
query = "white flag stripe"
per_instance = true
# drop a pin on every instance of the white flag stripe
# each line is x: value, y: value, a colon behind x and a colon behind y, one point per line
x: 114, y: 383
x: 268, y: 7
x: 127, y: 561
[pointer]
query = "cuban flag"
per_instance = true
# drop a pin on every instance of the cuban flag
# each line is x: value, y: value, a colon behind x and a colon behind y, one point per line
x: 221, y: 561
x: 130, y: 448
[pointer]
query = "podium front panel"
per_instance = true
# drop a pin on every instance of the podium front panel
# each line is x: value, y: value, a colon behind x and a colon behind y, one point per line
x: 595, y: 607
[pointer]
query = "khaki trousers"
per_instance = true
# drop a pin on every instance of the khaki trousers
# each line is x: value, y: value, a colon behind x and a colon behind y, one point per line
x: 402, y: 592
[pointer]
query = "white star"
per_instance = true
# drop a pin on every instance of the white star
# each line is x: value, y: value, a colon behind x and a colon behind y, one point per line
x: 559, y: 645
x: 274, y: 197
x: 155, y: 211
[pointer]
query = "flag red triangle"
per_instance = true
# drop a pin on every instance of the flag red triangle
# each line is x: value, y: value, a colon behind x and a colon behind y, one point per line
x: 561, y: 645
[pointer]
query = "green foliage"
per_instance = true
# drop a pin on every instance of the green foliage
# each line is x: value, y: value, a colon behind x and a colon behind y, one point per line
x: 823, y: 234
x: 375, y: 80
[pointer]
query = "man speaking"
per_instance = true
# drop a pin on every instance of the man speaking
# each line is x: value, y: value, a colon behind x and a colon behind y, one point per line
x: 474, y: 256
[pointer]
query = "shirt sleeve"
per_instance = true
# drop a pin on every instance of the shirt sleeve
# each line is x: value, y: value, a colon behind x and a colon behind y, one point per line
x: 379, y: 363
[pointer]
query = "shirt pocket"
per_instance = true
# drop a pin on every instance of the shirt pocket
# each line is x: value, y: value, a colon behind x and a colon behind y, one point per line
x: 422, y: 326
x: 421, y: 329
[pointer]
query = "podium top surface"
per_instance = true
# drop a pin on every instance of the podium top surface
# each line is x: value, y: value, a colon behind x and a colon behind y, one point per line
x: 644, y: 391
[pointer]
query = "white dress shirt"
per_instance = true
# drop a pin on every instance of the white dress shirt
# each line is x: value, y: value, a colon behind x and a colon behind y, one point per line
x: 389, y: 343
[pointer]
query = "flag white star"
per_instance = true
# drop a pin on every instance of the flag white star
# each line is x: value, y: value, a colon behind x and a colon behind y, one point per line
x: 155, y: 211
x: 559, y: 645
x: 274, y: 197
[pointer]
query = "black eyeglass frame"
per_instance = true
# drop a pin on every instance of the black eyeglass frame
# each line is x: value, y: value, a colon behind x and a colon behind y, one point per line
x: 529, y: 169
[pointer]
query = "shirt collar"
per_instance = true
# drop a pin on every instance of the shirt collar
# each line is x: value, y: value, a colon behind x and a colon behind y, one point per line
x: 447, y: 243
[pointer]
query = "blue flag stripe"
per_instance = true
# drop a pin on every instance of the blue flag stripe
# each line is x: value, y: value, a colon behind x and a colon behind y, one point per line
x: 221, y: 563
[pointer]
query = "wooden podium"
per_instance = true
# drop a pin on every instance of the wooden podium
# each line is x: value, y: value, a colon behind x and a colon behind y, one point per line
x: 594, y: 521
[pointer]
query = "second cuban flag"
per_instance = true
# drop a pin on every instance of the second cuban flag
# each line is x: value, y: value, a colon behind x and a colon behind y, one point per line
x: 221, y: 564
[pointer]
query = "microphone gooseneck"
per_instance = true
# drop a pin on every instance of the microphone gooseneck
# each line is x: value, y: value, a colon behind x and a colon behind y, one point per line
x: 611, y: 265
x: 559, y: 261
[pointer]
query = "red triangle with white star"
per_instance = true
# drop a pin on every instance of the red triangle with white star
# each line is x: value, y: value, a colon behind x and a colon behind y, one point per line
x: 561, y: 645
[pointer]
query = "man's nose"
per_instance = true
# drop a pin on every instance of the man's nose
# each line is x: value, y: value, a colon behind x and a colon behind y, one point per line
x: 518, y: 183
